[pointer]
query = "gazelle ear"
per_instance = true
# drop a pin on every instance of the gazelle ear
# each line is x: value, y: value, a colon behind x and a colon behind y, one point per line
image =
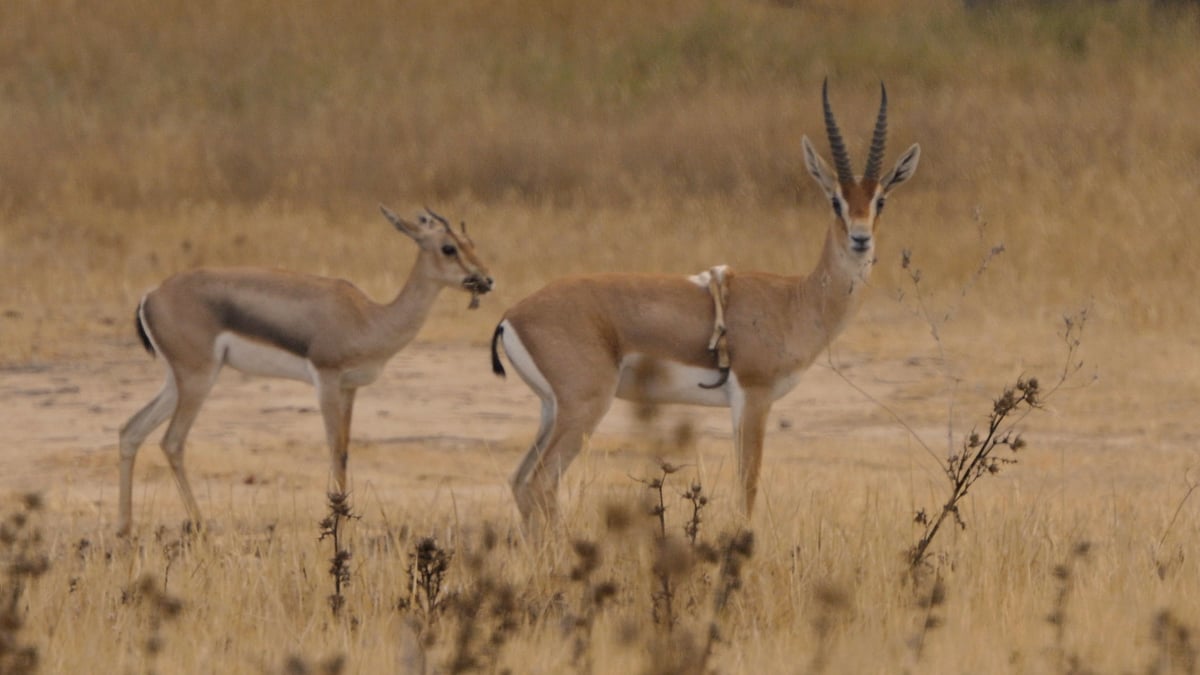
x: 905, y: 167
x: 819, y: 169
x: 399, y: 223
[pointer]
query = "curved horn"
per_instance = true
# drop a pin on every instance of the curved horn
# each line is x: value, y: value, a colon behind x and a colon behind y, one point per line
x: 840, y: 159
x: 445, y: 223
x: 879, y: 140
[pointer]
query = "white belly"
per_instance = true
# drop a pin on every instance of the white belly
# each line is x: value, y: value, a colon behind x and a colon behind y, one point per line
x: 258, y: 358
x: 658, y: 381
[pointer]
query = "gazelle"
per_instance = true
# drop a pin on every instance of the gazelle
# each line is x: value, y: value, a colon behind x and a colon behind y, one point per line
x: 283, y: 324
x: 583, y: 340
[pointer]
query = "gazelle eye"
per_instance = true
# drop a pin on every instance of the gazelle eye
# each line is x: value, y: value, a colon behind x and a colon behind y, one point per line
x: 449, y: 250
x: 837, y: 207
x: 879, y: 206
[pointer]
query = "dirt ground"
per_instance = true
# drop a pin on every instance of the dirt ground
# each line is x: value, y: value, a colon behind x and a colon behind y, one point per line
x: 438, y: 427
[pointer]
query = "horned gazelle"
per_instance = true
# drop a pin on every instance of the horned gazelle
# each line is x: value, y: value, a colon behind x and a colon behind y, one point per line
x: 282, y: 324
x: 582, y: 340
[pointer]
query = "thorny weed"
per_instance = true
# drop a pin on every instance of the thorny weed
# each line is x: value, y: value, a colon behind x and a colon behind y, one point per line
x: 735, y: 551
x: 21, y: 549
x: 1176, y: 648
x: 698, y: 500
x: 1065, y: 660
x: 936, y: 319
x: 668, y: 561
x: 594, y: 595
x: 174, y: 548
x: 160, y: 608
x: 487, y: 601
x: 979, y: 455
x: 673, y: 559
x: 296, y: 665
x: 977, y: 459
x: 333, y: 527
x: 676, y: 561
x: 480, y: 617
x: 832, y: 602
x: 427, y: 568
x: 1162, y: 564
x: 927, y: 604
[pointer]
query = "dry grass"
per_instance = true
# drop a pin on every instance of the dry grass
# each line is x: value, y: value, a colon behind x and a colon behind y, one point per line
x: 253, y: 596
x: 141, y: 138
x: 154, y: 136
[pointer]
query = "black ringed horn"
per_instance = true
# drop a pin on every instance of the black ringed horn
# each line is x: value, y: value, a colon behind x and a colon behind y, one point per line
x: 445, y: 223
x: 879, y: 140
x: 840, y: 159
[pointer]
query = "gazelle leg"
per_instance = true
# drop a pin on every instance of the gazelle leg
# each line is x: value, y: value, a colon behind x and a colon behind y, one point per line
x: 133, y: 434
x: 192, y: 389
x: 535, y: 485
x: 534, y: 455
x: 749, y: 409
x: 337, y: 404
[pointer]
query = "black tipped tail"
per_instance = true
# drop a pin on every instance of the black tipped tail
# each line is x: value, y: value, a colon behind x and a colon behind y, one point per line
x: 497, y: 367
x: 141, y: 331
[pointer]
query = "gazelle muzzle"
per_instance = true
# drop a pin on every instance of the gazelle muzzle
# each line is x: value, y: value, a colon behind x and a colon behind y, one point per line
x: 478, y: 285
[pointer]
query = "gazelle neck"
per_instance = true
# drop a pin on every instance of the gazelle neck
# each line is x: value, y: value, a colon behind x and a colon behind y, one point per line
x: 406, y: 313
x: 833, y: 291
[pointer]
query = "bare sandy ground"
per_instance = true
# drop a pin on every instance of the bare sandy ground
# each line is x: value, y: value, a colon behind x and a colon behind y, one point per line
x: 438, y: 427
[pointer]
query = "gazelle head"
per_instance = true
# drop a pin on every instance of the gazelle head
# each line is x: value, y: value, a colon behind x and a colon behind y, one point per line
x: 858, y: 200
x: 449, y: 256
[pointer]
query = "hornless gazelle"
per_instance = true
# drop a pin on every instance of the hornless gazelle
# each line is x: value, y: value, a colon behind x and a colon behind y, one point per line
x: 582, y: 340
x: 283, y: 324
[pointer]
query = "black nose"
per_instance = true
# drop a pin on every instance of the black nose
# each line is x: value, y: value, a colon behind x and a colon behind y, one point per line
x: 861, y: 242
x: 479, y: 284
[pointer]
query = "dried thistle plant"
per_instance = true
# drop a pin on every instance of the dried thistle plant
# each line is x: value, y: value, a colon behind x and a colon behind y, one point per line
x: 594, y: 596
x: 1176, y: 648
x: 427, y: 568
x: 699, y: 500
x: 486, y: 610
x: 296, y: 665
x: 928, y: 602
x: 173, y: 548
x: 979, y: 455
x: 831, y: 602
x: 21, y: 549
x: 1065, y: 660
x: 669, y: 560
x: 735, y: 551
x: 333, y: 527
x: 160, y: 608
x: 656, y: 487
x: 978, y: 458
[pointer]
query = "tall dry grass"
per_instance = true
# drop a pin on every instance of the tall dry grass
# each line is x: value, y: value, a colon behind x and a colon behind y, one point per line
x: 826, y: 575
x: 145, y: 137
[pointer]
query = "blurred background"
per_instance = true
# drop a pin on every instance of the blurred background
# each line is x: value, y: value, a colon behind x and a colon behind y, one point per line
x: 142, y: 137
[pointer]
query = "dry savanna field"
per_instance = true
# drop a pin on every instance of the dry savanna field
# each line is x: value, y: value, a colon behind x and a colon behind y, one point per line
x: 1048, y: 233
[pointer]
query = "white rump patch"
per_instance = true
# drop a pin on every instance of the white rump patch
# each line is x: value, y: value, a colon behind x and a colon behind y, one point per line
x: 520, y: 359
x: 258, y: 358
